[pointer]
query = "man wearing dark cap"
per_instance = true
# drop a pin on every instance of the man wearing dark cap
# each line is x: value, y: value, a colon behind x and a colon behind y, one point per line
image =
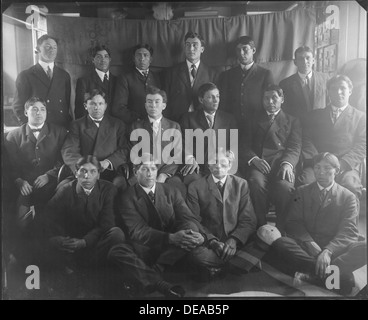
x: 182, y: 81
x: 100, y: 78
x: 130, y: 96
x: 242, y: 86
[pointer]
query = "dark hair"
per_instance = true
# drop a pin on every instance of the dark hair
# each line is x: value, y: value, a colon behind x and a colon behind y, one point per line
x: 338, y: 78
x: 43, y: 38
x: 228, y: 154
x: 274, y: 87
x: 206, y: 87
x: 155, y: 90
x: 98, y: 48
x: 88, y: 159
x: 146, y: 157
x: 191, y: 34
x: 31, y: 101
x: 302, y: 49
x: 329, y: 157
x: 244, y: 40
x: 143, y: 46
x: 93, y: 93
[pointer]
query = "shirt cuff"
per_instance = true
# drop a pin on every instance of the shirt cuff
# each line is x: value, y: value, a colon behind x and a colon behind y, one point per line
x: 250, y: 161
x: 286, y: 162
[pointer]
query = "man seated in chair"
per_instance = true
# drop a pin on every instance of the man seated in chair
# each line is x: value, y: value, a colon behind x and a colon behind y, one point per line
x: 100, y: 135
x: 221, y: 203
x: 340, y: 129
x: 155, y: 129
x: 322, y: 229
x: 80, y: 222
x: 161, y: 229
x: 34, y: 159
x: 270, y: 152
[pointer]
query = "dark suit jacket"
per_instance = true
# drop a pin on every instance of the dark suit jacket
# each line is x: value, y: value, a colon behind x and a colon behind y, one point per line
x: 197, y: 120
x: 346, y: 138
x: 70, y: 212
x: 297, y: 103
x: 106, y: 142
x: 56, y: 93
x: 282, y: 141
x: 149, y: 224
x: 86, y: 84
x: 130, y: 95
x: 332, y: 224
x: 243, y: 96
x: 179, y: 92
x: 165, y: 125
x: 222, y: 217
x: 30, y: 157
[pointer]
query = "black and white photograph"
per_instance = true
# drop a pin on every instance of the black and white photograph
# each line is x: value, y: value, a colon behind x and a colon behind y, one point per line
x: 179, y: 151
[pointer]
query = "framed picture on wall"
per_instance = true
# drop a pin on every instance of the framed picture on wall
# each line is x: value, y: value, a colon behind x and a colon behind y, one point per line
x: 319, y: 60
x: 330, y: 58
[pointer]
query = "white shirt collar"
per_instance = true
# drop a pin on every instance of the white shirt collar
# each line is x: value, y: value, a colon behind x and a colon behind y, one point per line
x: 276, y: 113
x: 101, y: 74
x: 223, y: 180
x: 210, y: 114
x: 247, y: 66
x: 142, y: 71
x: 157, y: 121
x: 87, y: 191
x: 189, y: 64
x: 303, y: 76
x: 95, y: 119
x: 328, y: 188
x: 340, y: 110
x: 44, y: 65
x: 147, y: 190
x: 34, y: 127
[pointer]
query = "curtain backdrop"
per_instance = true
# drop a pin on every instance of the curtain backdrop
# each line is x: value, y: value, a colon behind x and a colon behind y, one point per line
x: 276, y: 36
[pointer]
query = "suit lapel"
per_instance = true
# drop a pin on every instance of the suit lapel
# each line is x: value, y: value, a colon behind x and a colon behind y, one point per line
x: 184, y: 75
x: 91, y: 129
x: 227, y: 213
x: 30, y: 134
x: 263, y: 121
x: 213, y: 188
x: 104, y: 131
x: 202, y: 119
x: 43, y: 133
x: 41, y: 74
x: 344, y: 117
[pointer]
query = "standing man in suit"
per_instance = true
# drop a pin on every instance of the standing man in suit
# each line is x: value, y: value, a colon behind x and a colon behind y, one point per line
x: 305, y: 90
x: 322, y: 228
x: 272, y: 143
x: 130, y: 94
x: 46, y: 81
x: 34, y: 160
x: 183, y: 80
x: 206, y: 117
x: 222, y: 204
x: 100, y: 78
x: 339, y: 129
x: 100, y: 135
x: 242, y: 86
x: 161, y: 229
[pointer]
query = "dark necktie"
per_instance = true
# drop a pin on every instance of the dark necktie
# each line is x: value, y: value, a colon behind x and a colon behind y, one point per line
x: 193, y: 72
x: 335, y: 115
x: 210, y: 120
x: 106, y: 79
x: 49, y: 72
x: 151, y: 195
x: 220, y: 186
x: 271, y: 118
x: 323, y: 194
x: 145, y: 73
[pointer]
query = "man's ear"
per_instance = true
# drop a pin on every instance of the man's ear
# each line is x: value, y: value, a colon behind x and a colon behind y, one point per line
x: 163, y: 105
x: 26, y: 113
x: 254, y: 50
x: 85, y: 106
x: 337, y: 171
x: 200, y: 99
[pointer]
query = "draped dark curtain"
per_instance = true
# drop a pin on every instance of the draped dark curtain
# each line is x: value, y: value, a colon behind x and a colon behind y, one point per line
x: 276, y: 35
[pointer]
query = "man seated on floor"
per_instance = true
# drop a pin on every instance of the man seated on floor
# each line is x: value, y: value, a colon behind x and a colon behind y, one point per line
x: 155, y: 129
x: 322, y: 229
x: 80, y: 223
x: 101, y: 135
x: 221, y: 203
x: 34, y: 160
x: 160, y: 226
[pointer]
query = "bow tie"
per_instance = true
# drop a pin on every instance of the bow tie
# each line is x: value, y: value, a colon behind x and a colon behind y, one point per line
x: 97, y: 121
x: 36, y: 130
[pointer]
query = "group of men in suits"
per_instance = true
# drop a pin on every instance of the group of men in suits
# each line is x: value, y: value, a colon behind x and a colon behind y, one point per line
x: 277, y: 146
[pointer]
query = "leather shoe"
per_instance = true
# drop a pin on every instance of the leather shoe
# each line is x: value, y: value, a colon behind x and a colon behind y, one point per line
x: 207, y: 274
x: 169, y: 290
